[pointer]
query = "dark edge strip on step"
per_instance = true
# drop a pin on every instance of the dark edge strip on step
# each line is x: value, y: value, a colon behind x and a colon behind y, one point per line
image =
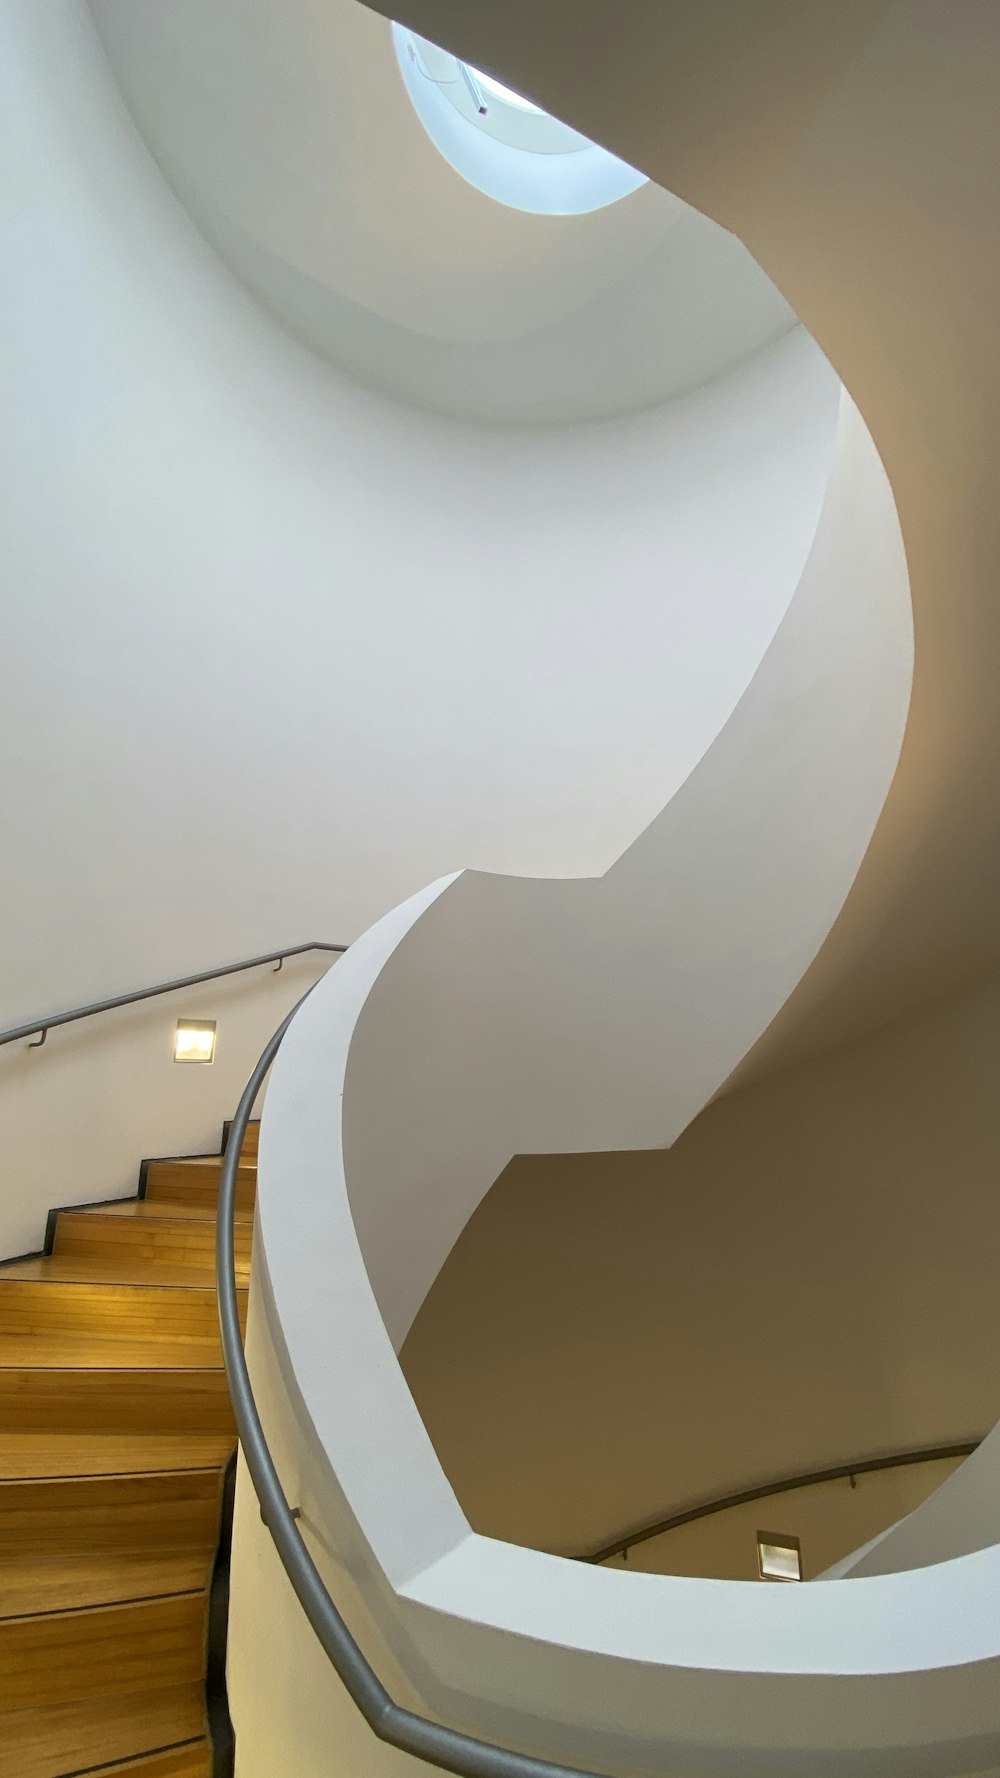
x: 221, y: 1736
x: 131, y: 1759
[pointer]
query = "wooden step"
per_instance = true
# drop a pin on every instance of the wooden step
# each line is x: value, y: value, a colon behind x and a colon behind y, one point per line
x: 31, y: 1453
x: 62, y: 1657
x: 30, y: 1585
x: 95, y: 1317
x: 115, y: 1429
x: 149, y: 1231
x: 61, y: 1421
x: 146, y: 1207
x: 196, y: 1181
x: 68, y: 1268
x: 114, y: 1433
x: 68, y: 1351
x: 105, y: 1516
x: 128, y: 1399
x: 92, y: 1734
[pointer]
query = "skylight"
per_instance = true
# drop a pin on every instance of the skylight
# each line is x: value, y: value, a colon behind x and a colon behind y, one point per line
x: 503, y: 143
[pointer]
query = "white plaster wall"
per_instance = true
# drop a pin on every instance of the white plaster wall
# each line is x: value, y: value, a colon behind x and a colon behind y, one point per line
x: 277, y: 651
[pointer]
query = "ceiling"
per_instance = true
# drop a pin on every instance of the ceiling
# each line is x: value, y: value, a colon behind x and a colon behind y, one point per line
x: 289, y: 137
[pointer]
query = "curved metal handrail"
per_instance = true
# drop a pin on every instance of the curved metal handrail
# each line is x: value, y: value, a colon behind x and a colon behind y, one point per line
x: 446, y: 1748
x: 838, y: 1472
x: 185, y: 981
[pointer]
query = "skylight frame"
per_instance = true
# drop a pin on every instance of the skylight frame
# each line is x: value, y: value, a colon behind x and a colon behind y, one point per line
x: 520, y: 157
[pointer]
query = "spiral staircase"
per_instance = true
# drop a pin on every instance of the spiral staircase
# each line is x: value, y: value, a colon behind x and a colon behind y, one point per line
x: 830, y: 862
x: 116, y: 1436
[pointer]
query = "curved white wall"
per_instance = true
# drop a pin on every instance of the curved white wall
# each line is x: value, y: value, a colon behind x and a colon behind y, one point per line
x: 277, y: 650
x: 490, y: 1015
x: 632, y: 998
x: 959, y: 1518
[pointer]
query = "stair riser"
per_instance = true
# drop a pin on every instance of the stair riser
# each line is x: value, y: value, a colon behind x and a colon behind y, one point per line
x: 102, y: 1735
x: 251, y: 1141
x: 188, y: 1182
x: 147, y: 1240
x: 98, y: 1401
x: 109, y: 1513
x: 110, y: 1312
x: 113, y: 1650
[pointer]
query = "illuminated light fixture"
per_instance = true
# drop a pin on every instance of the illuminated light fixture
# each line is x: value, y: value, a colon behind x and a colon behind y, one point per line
x: 194, y: 1040
x: 779, y: 1556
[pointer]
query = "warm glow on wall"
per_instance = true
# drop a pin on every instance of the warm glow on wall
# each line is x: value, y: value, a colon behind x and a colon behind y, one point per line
x: 194, y: 1040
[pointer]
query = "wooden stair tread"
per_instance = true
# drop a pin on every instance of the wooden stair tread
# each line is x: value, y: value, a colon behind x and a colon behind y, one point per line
x: 50, y: 1455
x: 79, y: 1351
x: 206, y: 1168
x: 199, y: 1160
x: 80, y: 1317
x: 68, y: 1268
x: 148, y: 1233
x: 38, y: 1583
x: 97, y: 1732
x: 175, y: 1210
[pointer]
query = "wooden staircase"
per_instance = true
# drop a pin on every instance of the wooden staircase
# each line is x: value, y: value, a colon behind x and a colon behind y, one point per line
x: 115, y: 1433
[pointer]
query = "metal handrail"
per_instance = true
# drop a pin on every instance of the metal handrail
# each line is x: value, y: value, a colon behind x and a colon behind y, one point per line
x: 185, y: 981
x: 839, y: 1472
x: 448, y: 1749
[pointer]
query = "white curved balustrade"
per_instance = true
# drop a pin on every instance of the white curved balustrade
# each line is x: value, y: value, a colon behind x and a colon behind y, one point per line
x: 489, y: 1016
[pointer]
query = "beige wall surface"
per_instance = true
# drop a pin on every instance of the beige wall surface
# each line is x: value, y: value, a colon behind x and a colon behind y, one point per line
x: 807, y: 1277
x: 829, y: 1519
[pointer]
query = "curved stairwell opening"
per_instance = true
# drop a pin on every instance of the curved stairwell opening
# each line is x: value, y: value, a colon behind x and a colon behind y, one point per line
x: 116, y: 1434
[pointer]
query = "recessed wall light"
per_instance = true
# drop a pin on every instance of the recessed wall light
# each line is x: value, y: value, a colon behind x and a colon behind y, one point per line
x: 779, y: 1556
x: 194, y: 1040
